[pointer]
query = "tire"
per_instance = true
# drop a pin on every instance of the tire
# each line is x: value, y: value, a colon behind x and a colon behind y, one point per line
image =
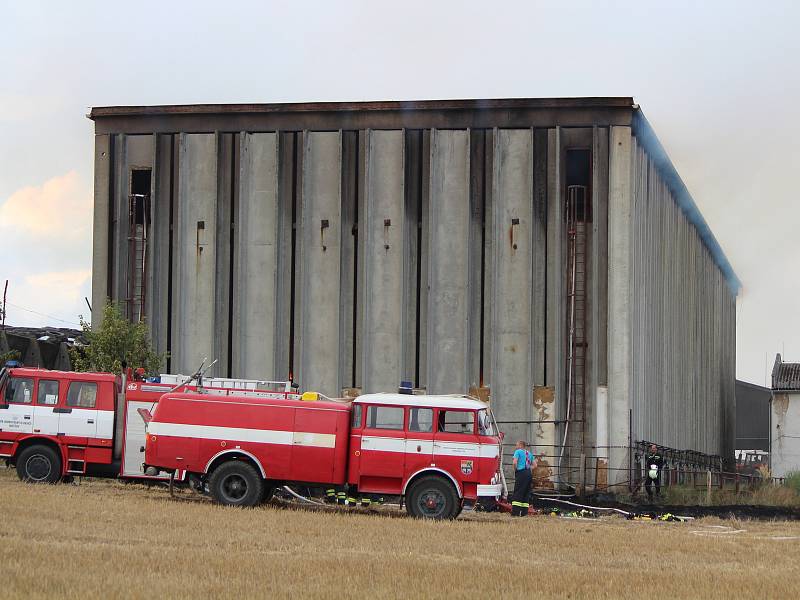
x: 39, y: 464
x: 432, y: 497
x: 236, y: 483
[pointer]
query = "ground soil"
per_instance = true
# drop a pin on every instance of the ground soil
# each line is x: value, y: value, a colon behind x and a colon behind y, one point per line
x: 106, y: 539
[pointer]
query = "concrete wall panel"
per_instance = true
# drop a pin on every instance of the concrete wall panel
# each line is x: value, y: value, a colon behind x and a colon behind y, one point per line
x: 619, y: 290
x: 384, y: 253
x: 193, y: 300
x: 448, y: 263
x: 512, y: 333
x: 321, y: 263
x: 256, y: 257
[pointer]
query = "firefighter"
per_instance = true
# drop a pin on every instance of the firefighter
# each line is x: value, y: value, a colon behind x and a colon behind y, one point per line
x: 653, y: 463
x: 524, y: 462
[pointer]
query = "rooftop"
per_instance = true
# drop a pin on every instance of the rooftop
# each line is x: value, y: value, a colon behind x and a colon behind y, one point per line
x: 373, y: 106
x: 785, y: 376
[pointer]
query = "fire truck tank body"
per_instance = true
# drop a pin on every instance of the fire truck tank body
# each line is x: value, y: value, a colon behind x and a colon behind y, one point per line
x: 287, y: 439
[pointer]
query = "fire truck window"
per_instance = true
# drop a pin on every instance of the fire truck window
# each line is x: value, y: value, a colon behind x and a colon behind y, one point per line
x: 357, y: 412
x: 485, y: 426
x: 82, y: 394
x: 385, y: 417
x: 19, y: 391
x: 48, y: 392
x: 421, y: 419
x: 456, y: 421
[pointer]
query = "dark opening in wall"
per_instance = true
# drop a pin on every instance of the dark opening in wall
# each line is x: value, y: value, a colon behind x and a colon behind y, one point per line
x: 579, y: 177
x: 140, y: 195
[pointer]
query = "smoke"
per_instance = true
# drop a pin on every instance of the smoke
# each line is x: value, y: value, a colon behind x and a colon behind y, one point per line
x: 648, y: 140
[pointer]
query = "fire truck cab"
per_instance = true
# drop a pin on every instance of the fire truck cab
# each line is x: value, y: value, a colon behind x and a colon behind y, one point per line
x: 433, y: 451
x: 54, y: 423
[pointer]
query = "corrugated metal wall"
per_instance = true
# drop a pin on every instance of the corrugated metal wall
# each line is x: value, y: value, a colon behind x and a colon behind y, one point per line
x: 682, y: 325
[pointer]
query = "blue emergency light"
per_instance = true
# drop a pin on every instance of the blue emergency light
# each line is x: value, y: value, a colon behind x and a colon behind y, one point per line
x: 406, y: 387
x: 13, y: 364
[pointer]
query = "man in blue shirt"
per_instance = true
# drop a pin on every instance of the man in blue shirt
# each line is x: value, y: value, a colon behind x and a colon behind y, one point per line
x: 523, y: 461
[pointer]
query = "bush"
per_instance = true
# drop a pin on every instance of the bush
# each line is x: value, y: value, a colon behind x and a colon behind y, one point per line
x: 792, y: 481
x: 116, y: 341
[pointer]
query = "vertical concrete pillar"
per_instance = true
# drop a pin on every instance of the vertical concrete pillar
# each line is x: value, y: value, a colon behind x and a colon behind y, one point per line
x: 384, y: 251
x: 512, y: 335
x: 287, y: 191
x: 554, y: 356
x: 256, y: 256
x: 158, y: 248
x: 119, y: 222
x: 539, y: 250
x: 619, y: 301
x: 195, y: 249
x: 448, y: 267
x: 227, y: 196
x: 321, y: 263
x: 100, y: 228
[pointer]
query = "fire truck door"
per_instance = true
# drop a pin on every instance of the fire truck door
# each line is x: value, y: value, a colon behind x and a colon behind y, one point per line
x: 78, y: 415
x: 16, y: 414
x: 383, y: 447
x: 455, y: 447
x: 45, y: 420
x: 419, y: 439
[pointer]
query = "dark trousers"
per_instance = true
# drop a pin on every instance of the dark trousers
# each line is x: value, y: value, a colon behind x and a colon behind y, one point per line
x: 648, y: 483
x: 522, y: 491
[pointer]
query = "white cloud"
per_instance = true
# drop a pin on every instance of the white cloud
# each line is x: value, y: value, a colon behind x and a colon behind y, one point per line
x: 61, y: 206
x: 45, y: 241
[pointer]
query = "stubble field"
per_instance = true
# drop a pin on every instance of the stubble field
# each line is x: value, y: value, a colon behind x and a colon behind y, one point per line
x: 106, y: 539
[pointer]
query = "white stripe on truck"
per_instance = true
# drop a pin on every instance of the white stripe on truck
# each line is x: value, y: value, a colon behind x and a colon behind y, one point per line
x: 436, y: 447
x: 240, y: 434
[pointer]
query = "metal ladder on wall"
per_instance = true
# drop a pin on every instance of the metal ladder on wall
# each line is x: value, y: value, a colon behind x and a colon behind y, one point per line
x: 576, y: 342
x: 137, y: 255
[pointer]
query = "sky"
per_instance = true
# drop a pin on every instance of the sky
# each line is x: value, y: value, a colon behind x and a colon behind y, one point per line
x: 718, y: 81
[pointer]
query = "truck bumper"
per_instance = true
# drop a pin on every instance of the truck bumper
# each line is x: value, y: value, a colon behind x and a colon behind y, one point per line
x: 493, y: 490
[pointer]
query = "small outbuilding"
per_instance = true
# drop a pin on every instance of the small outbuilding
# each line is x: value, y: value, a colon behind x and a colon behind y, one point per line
x: 785, y: 418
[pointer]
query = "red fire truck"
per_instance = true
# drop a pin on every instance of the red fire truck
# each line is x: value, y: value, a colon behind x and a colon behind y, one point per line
x: 55, y: 424
x: 434, y: 451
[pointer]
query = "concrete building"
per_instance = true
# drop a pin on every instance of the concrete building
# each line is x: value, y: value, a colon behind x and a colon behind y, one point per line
x: 784, y: 427
x: 544, y: 250
x: 752, y: 416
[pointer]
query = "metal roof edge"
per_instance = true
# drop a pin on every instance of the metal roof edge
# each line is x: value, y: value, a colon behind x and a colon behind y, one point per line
x: 752, y: 385
x: 649, y: 140
x: 388, y: 105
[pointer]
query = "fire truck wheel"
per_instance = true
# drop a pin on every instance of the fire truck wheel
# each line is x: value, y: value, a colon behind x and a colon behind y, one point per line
x: 432, y: 497
x: 39, y: 464
x: 236, y: 483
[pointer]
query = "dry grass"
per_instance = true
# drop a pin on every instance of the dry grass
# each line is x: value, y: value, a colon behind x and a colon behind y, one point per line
x: 764, y: 495
x: 104, y: 539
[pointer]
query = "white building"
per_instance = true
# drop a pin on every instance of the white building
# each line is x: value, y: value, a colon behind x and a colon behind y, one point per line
x: 785, y: 418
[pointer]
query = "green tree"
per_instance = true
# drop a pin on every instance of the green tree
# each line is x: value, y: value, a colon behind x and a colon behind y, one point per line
x: 115, y: 341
